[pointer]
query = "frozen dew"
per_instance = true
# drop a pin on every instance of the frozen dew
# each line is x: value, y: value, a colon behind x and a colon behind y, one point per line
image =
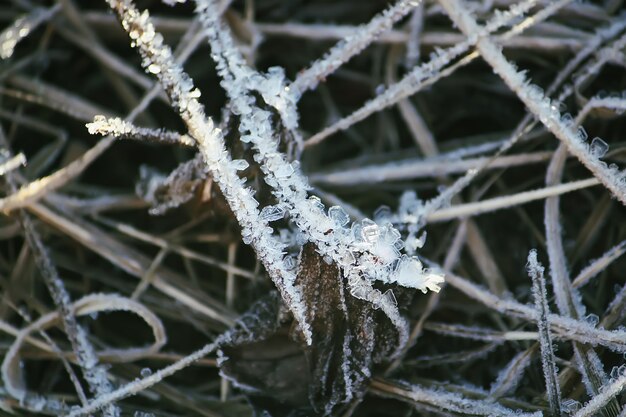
x: 567, y: 120
x: 338, y: 215
x: 143, y: 414
x: 370, y: 231
x: 599, y: 148
x: 410, y: 273
x: 290, y: 262
x: 284, y: 170
x: 346, y: 258
x: 570, y: 406
x: 239, y: 164
x: 592, y: 320
x: 390, y: 298
x: 535, y: 92
x: 317, y: 202
x: 154, y: 68
x: 146, y: 372
x: 272, y: 213
x: 387, y: 245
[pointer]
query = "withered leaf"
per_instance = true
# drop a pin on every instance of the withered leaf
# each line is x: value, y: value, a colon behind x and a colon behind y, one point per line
x: 349, y: 337
x: 283, y: 375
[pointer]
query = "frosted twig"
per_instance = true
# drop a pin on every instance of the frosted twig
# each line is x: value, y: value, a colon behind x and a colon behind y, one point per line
x: 157, y: 59
x: 525, y: 126
x: 535, y: 101
x: 176, y: 248
x: 95, y: 374
x: 511, y: 375
x: 567, y: 301
x: 353, y: 44
x: 139, y: 385
x: 416, y: 24
x: 117, y: 127
x: 591, y: 46
x: 599, y: 265
x: 613, y: 103
x: 565, y: 327
x: 36, y: 189
x: 82, y: 109
x: 535, y: 270
x: 567, y: 298
x: 606, y: 394
x: 166, y: 192
x: 479, y: 333
x: 445, y: 401
x: 133, y: 262
x: 89, y: 304
x: 360, y: 262
x: 22, y: 27
x: 427, y: 72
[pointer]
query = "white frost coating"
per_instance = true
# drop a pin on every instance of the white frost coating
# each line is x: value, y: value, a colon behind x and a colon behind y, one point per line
x: 180, y: 89
x: 550, y: 373
x: 410, y: 273
x: 541, y: 106
x: 364, y: 251
x: 607, y: 393
x: 352, y: 45
x: 21, y: 28
x: 115, y: 126
x: 457, y: 403
x: 417, y: 78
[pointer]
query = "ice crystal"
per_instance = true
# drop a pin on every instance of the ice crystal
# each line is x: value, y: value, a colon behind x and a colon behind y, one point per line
x: 409, y: 272
x: 599, y: 148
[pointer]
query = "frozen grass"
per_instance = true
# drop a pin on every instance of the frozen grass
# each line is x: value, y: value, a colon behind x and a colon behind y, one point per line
x: 344, y: 154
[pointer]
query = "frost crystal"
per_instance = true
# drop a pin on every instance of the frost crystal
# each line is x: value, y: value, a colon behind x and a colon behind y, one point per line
x: 410, y: 273
x: 239, y: 164
x: 272, y: 213
x: 338, y: 215
x: 599, y: 148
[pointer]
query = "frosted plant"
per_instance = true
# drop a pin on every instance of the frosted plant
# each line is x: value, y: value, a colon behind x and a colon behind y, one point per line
x: 365, y: 251
x: 157, y: 59
x: 341, y: 276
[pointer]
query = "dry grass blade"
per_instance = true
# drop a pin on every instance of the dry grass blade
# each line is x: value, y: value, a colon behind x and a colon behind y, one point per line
x: 535, y: 270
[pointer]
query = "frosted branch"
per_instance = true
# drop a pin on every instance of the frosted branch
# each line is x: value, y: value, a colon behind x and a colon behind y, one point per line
x: 365, y: 252
x: 117, y: 127
x: 157, y: 59
x: 350, y: 46
x: 534, y: 99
